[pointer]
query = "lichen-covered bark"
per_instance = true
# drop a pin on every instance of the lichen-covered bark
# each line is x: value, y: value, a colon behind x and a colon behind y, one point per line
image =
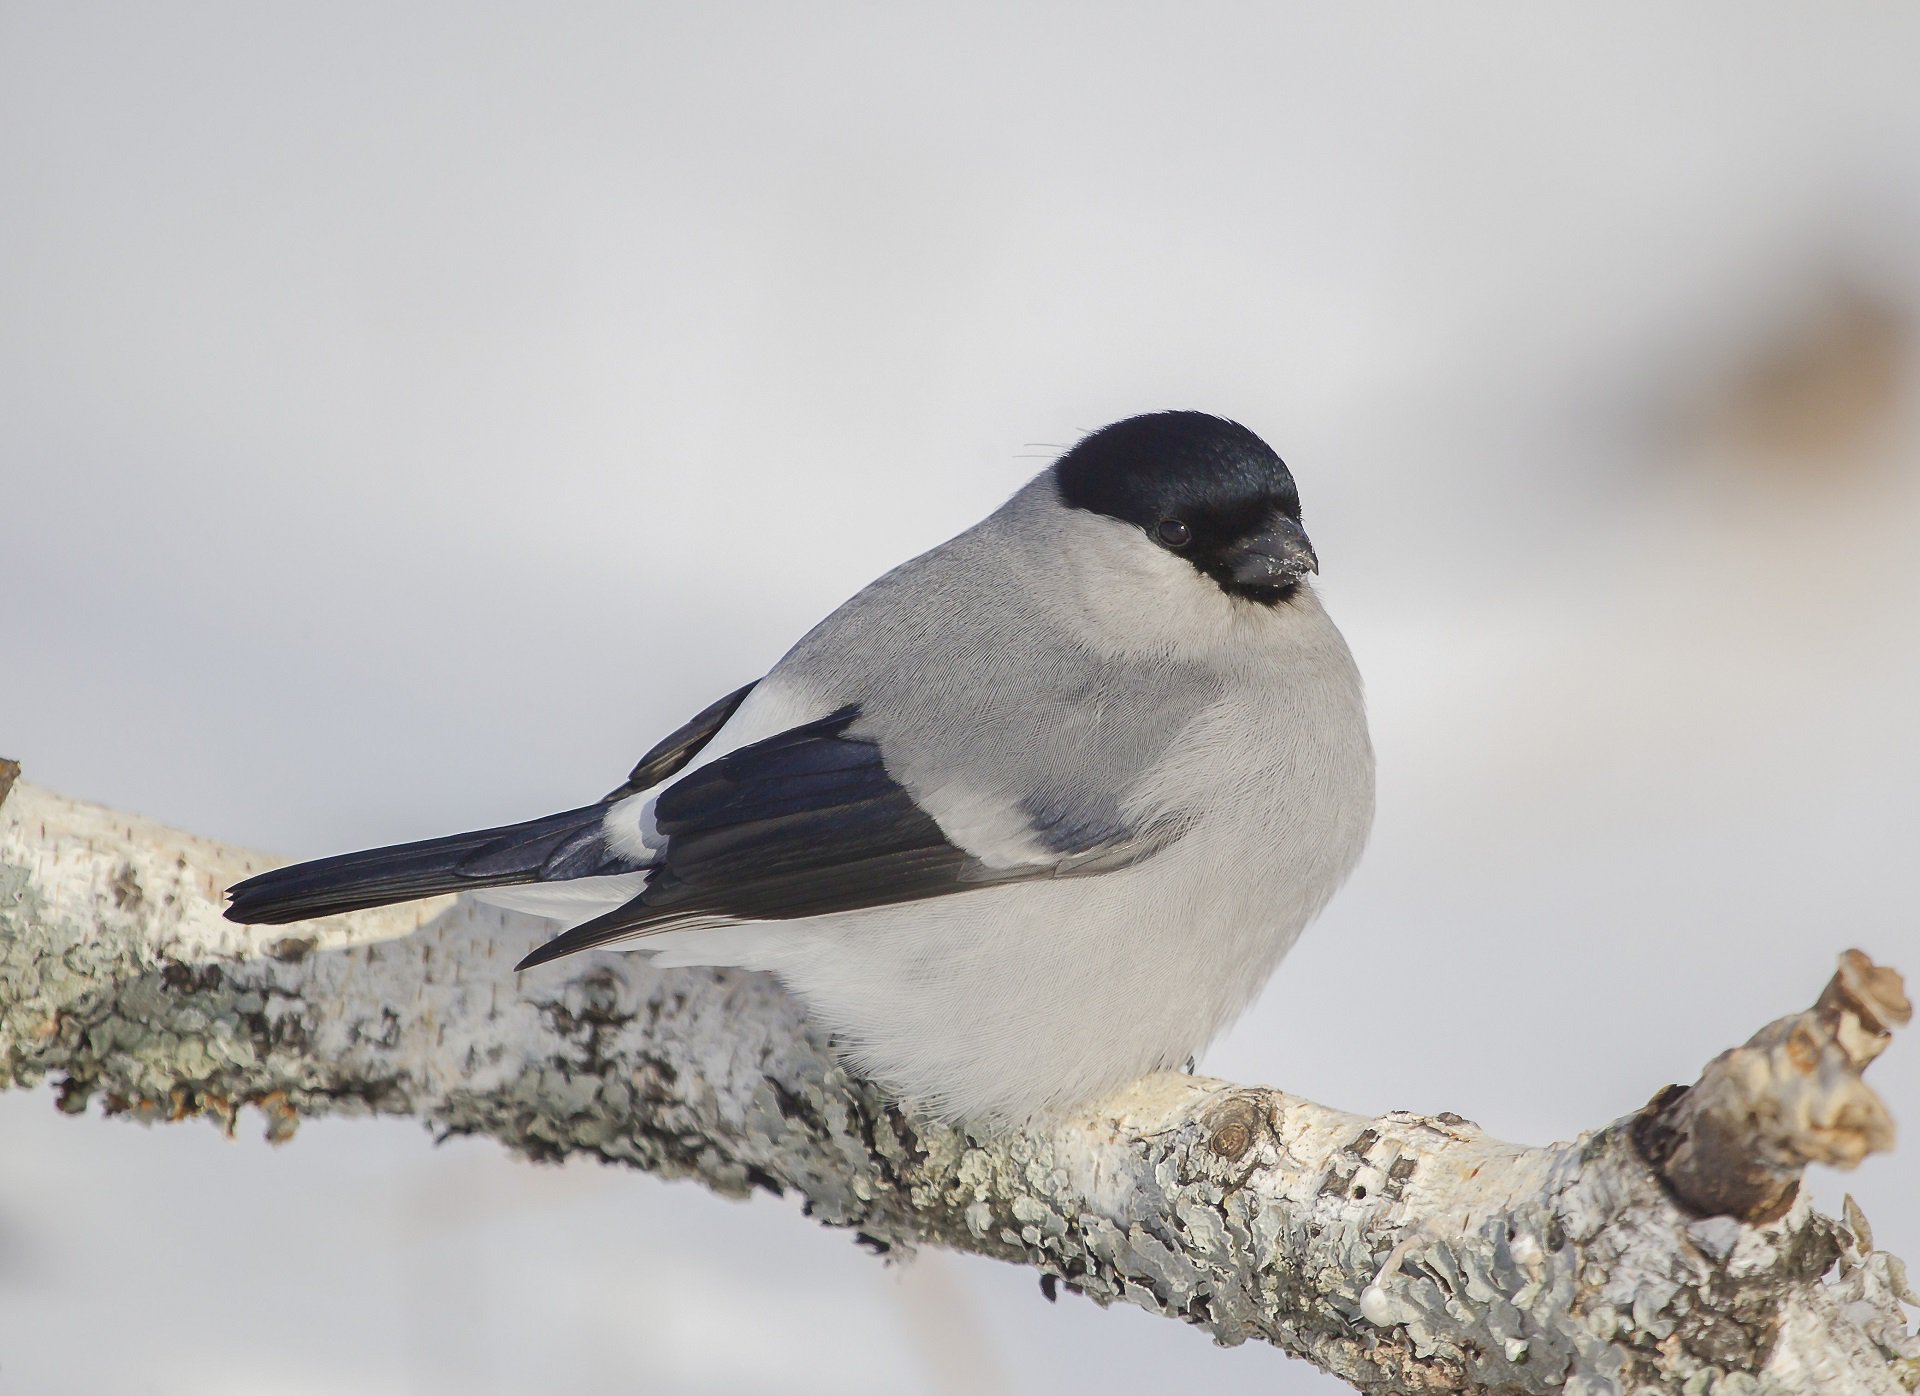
x: 1403, y: 1253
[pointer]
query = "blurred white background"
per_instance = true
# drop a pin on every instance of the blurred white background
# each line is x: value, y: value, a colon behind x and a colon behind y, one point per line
x: 409, y: 413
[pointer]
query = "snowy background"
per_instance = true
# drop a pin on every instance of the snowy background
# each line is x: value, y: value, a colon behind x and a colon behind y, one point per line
x: 408, y: 414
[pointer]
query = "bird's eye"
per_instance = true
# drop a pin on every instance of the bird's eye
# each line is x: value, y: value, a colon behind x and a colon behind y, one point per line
x: 1173, y: 533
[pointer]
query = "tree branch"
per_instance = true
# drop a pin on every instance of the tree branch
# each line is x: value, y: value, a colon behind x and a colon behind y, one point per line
x: 1672, y: 1251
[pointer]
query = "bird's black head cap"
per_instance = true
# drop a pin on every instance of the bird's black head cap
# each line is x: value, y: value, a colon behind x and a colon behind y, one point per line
x: 1200, y: 486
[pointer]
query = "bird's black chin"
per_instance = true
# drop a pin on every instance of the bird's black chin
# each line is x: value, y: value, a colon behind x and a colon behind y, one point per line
x: 1263, y: 595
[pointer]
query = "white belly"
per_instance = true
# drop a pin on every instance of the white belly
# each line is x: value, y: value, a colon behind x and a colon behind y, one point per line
x: 1013, y: 1001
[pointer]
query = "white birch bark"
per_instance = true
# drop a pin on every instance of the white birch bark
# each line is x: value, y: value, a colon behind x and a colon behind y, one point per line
x: 1672, y: 1251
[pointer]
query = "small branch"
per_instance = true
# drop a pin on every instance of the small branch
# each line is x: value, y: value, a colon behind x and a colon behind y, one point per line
x: 1736, y: 1143
x: 1668, y: 1252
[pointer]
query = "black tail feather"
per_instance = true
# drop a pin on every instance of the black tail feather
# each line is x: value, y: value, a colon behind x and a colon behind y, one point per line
x: 560, y: 846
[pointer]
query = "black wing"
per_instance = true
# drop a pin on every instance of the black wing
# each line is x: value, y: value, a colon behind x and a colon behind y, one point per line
x: 804, y: 824
x: 800, y: 824
x: 680, y: 746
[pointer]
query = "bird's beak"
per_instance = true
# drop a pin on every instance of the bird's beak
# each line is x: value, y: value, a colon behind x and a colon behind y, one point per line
x: 1278, y: 557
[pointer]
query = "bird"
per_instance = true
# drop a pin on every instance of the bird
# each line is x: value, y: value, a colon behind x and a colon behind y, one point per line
x: 1033, y: 815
